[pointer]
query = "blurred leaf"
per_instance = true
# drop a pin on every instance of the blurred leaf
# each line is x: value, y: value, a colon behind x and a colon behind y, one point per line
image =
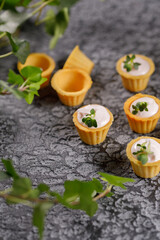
x: 15, y: 92
x: 67, y: 3
x: 42, y: 187
x: 20, y: 48
x: 56, y: 24
x: 40, y: 210
x: 31, y: 73
x: 21, y: 186
x: 11, y: 20
x: 10, y: 170
x: 114, y: 180
x: 11, y: 4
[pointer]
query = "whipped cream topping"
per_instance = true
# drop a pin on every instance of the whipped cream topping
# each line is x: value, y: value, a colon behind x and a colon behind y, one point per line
x: 154, y: 148
x: 142, y: 69
x: 101, y: 114
x: 151, y: 105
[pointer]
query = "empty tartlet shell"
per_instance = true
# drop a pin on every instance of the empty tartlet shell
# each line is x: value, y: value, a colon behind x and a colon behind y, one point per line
x: 139, y: 124
x: 148, y: 170
x: 135, y: 83
x: 77, y: 59
x: 71, y: 85
x: 42, y: 60
x: 92, y: 136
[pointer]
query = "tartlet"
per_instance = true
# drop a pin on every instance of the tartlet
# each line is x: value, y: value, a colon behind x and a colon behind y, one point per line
x: 42, y: 60
x: 141, y: 124
x: 77, y: 59
x: 92, y: 136
x: 131, y: 82
x: 148, y: 170
x: 71, y: 85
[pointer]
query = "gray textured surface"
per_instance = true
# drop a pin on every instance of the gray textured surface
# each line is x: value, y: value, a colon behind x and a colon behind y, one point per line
x: 44, y: 145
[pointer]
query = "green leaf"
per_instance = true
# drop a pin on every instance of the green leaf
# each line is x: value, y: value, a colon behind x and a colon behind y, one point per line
x: 98, y: 185
x: 11, y: 20
x: 81, y: 193
x: 21, y: 186
x: 20, y: 48
x: 14, y: 78
x: 42, y: 187
x: 10, y: 170
x: 57, y: 24
x: 114, y: 180
x: 30, y: 72
x: 29, y: 97
x: 143, y: 158
x: 40, y: 210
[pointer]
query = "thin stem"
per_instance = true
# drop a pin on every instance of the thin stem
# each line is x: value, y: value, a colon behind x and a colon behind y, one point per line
x: 41, y: 7
x: 36, y: 4
x: 103, y: 194
x: 6, y: 54
x: 2, y: 35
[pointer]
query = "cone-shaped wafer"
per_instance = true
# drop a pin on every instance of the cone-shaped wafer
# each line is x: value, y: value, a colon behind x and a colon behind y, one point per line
x: 77, y: 59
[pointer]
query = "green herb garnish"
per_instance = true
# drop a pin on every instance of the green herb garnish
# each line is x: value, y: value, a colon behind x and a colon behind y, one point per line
x: 89, y: 119
x: 129, y: 64
x: 143, y: 152
x: 140, y: 106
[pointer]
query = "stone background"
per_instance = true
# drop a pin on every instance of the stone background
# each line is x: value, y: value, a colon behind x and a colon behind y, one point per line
x: 43, y: 142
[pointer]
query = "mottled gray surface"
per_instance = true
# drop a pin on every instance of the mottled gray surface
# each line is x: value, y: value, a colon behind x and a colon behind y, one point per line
x: 44, y: 145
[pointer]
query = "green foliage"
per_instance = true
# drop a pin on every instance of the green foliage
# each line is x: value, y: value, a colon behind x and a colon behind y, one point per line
x: 89, y: 119
x: 20, y: 48
x: 77, y: 195
x: 12, y: 4
x: 143, y: 152
x: 140, y: 106
x: 24, y: 85
x: 114, y: 180
x: 129, y: 63
x: 56, y: 24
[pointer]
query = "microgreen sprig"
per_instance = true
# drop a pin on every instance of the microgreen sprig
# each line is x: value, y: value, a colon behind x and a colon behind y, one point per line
x: 129, y: 63
x: 143, y: 152
x: 140, y: 106
x: 89, y: 119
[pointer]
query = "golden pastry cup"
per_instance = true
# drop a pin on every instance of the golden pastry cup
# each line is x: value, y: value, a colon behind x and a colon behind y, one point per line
x: 139, y: 124
x: 92, y: 136
x: 77, y: 59
x: 147, y: 170
x: 135, y: 83
x: 71, y: 85
x: 41, y: 60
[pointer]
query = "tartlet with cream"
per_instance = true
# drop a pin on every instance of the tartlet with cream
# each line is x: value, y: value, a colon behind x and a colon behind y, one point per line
x: 136, y: 73
x: 144, y: 155
x: 143, y: 112
x: 93, y: 122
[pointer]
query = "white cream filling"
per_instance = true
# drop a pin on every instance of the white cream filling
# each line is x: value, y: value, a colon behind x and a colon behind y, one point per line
x: 154, y: 147
x: 101, y: 114
x: 151, y: 105
x: 142, y: 69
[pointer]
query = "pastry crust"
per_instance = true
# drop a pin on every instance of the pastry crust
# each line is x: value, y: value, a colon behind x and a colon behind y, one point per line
x: 92, y: 136
x: 148, y: 170
x: 77, y: 59
x: 41, y: 60
x: 139, y: 124
x: 135, y: 83
x: 71, y: 85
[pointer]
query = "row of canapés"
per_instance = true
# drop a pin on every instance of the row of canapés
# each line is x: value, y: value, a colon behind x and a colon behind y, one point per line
x: 93, y: 121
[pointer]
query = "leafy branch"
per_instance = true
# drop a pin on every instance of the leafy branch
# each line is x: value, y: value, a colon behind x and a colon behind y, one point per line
x: 140, y: 106
x: 24, y: 85
x: 89, y: 119
x: 143, y: 152
x: 129, y: 63
x: 81, y: 195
